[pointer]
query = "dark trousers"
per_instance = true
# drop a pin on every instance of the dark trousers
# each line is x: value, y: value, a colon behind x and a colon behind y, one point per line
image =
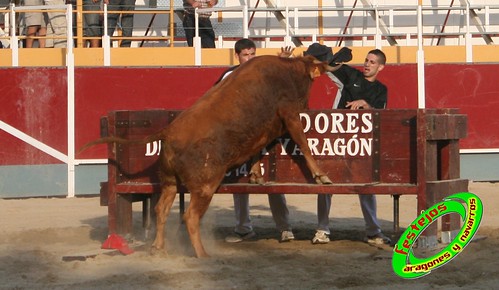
x: 205, y: 31
x: 126, y: 19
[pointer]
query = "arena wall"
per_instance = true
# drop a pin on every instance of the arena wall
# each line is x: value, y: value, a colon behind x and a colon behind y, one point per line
x: 34, y: 100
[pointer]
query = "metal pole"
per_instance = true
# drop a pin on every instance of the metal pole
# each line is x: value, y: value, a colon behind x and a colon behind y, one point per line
x: 287, y: 39
x: 320, y: 20
x: 172, y: 23
x: 246, y: 23
x: 377, y: 41
x: 197, y: 40
x: 79, y: 24
x: 14, y: 42
x: 71, y: 102
x: 106, y: 41
x: 445, y: 23
x: 420, y: 59
x: 296, y: 25
x: 33, y: 142
x: 469, y: 47
x: 252, y: 14
x: 348, y: 23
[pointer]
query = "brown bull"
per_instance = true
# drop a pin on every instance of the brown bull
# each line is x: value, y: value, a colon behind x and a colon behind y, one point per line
x: 232, y: 122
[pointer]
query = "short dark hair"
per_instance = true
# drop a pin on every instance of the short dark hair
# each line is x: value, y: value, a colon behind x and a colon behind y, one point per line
x: 243, y: 43
x: 381, y: 55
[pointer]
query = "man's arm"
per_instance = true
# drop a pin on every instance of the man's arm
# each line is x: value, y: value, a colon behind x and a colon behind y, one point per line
x: 193, y: 3
x: 358, y: 104
x: 378, y: 102
x: 346, y: 73
x: 286, y: 52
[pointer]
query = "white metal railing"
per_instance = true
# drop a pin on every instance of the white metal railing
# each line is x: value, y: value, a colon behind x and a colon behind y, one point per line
x: 378, y: 30
x: 381, y: 24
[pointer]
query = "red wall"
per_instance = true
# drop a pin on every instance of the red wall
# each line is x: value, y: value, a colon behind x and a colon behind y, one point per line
x: 34, y: 100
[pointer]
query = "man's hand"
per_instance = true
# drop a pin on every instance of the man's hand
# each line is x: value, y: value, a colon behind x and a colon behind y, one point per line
x: 358, y: 104
x: 286, y: 52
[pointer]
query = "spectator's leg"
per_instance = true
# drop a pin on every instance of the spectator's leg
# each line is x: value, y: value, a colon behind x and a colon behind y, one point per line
x: 280, y: 211
x: 31, y: 32
x: 112, y: 18
x: 57, y: 26
x: 127, y: 22
x: 34, y: 21
x: 92, y: 22
x: 206, y: 32
x: 42, y: 32
x: 323, y: 209
x: 242, y: 211
x: 188, y: 24
x: 368, y: 206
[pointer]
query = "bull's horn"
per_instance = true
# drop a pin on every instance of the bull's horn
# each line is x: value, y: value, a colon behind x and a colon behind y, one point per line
x: 333, y: 68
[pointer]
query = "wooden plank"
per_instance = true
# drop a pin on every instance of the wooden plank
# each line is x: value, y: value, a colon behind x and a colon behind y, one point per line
x: 446, y: 127
x: 398, y: 160
x: 292, y: 188
x: 124, y: 214
x: 300, y: 188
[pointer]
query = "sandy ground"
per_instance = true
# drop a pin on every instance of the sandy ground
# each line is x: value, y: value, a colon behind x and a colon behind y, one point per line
x: 38, y: 235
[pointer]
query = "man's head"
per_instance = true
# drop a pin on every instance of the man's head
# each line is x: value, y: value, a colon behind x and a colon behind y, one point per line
x: 245, y: 49
x: 374, y: 63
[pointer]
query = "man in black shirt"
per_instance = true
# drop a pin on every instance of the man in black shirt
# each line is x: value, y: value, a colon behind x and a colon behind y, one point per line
x: 356, y: 90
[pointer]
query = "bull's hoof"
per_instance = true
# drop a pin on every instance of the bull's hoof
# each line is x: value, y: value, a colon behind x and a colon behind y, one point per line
x: 256, y: 180
x: 158, y: 252
x: 323, y: 179
x: 204, y: 255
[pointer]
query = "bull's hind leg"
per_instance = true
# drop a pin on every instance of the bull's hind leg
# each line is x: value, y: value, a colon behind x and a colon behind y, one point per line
x: 162, y: 210
x: 200, y: 200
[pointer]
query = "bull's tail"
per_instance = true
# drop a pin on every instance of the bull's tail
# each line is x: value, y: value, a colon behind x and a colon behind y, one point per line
x: 114, y: 139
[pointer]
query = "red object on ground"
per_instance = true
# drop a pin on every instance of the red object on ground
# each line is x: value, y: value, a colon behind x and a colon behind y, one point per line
x: 117, y: 242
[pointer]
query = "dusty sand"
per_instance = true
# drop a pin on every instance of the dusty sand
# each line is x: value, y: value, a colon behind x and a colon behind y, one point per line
x: 36, y: 234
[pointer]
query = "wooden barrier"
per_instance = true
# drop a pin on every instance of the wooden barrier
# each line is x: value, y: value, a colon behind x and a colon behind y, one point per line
x: 393, y: 152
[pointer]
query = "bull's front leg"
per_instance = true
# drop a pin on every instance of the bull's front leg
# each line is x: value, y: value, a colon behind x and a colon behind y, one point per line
x: 256, y: 176
x: 295, y: 129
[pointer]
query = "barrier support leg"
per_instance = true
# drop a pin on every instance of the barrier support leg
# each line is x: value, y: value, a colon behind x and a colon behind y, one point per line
x: 396, y: 214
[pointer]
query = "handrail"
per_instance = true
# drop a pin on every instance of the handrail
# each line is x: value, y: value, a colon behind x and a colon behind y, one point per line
x: 373, y: 27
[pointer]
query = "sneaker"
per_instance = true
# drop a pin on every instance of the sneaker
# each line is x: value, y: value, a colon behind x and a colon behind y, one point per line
x: 378, y: 239
x: 237, y: 237
x: 321, y: 237
x: 286, y: 236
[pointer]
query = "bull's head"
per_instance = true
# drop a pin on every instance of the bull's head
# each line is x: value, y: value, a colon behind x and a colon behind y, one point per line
x: 320, y: 67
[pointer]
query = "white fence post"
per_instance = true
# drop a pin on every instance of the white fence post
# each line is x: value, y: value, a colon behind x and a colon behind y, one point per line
x: 14, y: 42
x: 70, y: 67
x: 197, y: 40
x: 420, y: 60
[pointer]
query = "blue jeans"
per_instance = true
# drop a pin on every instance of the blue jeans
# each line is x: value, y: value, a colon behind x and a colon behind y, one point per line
x: 92, y: 22
x: 126, y: 19
x: 205, y: 31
